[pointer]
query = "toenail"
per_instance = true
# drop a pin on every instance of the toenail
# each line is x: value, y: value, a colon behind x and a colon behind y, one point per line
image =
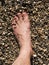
x: 15, y: 17
x: 23, y: 13
x: 13, y: 24
x: 19, y: 13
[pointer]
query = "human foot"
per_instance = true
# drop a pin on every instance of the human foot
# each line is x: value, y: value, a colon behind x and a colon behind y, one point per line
x: 21, y: 28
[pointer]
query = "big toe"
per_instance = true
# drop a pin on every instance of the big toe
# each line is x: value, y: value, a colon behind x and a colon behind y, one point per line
x: 25, y: 16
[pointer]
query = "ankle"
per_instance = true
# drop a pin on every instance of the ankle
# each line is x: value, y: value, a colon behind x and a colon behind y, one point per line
x: 26, y: 50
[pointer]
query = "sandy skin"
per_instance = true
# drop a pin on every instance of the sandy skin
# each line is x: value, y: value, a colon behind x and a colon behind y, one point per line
x: 21, y: 28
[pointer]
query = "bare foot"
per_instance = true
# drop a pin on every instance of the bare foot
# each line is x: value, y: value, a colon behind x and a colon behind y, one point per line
x: 21, y: 28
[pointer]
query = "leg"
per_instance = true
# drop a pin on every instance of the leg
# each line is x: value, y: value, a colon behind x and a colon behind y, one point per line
x: 21, y: 28
x: 23, y: 59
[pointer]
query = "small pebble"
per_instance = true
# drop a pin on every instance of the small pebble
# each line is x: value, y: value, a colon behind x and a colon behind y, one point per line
x: 34, y: 55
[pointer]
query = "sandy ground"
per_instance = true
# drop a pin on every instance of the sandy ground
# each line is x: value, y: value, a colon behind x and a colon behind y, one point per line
x: 38, y: 11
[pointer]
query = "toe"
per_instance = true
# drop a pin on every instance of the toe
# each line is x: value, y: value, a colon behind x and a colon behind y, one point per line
x: 16, y: 19
x: 19, y: 16
x: 25, y: 15
x: 13, y: 23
